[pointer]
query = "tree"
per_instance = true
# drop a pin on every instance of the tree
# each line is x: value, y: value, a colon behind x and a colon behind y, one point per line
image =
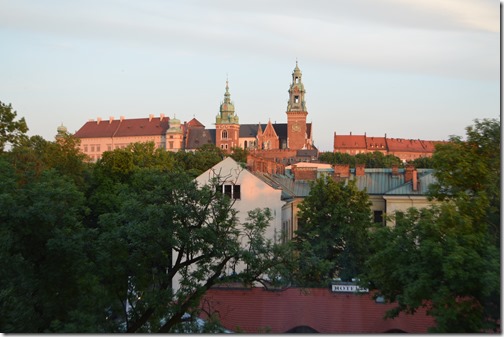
x: 199, y: 161
x: 47, y: 282
x: 239, y: 154
x: 447, y: 258
x: 435, y: 258
x: 11, y: 131
x: 169, y: 241
x: 370, y: 159
x: 333, y: 230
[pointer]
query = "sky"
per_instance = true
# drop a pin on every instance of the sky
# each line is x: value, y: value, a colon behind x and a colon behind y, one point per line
x: 415, y: 69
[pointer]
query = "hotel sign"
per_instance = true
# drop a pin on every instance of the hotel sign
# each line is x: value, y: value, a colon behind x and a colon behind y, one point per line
x: 348, y: 288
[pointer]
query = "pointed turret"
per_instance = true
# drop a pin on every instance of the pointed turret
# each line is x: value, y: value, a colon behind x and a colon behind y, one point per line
x: 227, y: 109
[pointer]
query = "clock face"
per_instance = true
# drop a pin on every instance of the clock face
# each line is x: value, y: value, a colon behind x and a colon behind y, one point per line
x: 296, y: 127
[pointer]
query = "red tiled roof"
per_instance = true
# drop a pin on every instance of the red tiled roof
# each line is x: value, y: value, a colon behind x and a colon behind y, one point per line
x: 254, y: 309
x: 376, y: 143
x: 429, y: 145
x: 350, y: 141
x: 408, y: 145
x: 124, y: 128
x: 194, y: 123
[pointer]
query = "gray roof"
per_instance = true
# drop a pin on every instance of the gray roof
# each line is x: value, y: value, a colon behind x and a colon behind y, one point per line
x: 376, y: 181
x: 198, y: 137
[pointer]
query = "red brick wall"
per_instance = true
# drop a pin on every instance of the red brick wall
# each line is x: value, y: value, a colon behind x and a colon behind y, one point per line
x: 342, y: 170
x: 304, y: 173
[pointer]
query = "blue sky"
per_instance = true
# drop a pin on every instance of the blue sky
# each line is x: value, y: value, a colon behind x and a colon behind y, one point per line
x: 406, y: 68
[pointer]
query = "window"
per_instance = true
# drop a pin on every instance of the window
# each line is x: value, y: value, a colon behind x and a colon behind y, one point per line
x: 232, y: 191
x: 97, y: 148
x: 85, y: 148
x: 92, y: 148
x: 236, y: 192
x: 170, y: 144
x: 227, y: 190
x: 296, y: 99
x: 378, y: 216
x: 224, y: 134
x: 109, y: 147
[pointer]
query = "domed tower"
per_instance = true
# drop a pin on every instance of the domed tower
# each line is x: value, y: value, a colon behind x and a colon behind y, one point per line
x: 227, y: 127
x: 174, y: 135
x: 62, y: 132
x: 296, y: 113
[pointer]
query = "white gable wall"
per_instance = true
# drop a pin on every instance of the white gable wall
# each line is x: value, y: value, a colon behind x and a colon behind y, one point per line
x: 254, y: 192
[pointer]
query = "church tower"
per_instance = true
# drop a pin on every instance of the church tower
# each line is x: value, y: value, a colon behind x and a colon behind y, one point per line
x: 296, y: 113
x: 227, y: 126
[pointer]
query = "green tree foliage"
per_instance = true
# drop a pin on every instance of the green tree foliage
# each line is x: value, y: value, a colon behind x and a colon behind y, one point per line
x: 239, y: 154
x: 422, y: 162
x: 435, y: 258
x: 167, y: 230
x: 370, y: 159
x: 469, y: 172
x: 199, y: 161
x: 46, y: 281
x: 447, y: 258
x: 11, y: 131
x: 36, y: 155
x: 333, y: 231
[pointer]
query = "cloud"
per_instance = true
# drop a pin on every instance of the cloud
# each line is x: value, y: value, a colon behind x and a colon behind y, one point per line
x: 445, y: 38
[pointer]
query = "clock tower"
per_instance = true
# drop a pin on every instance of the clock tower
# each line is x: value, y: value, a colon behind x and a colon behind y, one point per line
x: 227, y: 126
x: 296, y: 113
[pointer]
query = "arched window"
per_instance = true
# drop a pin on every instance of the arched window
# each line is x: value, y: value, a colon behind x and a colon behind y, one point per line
x: 245, y: 144
x: 224, y: 134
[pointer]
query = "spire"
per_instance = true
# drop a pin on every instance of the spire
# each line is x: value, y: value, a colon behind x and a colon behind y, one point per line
x: 296, y: 91
x: 227, y: 109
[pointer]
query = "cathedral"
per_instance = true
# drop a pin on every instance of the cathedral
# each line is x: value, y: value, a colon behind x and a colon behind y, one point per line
x: 281, y: 143
x: 296, y: 134
x: 271, y: 146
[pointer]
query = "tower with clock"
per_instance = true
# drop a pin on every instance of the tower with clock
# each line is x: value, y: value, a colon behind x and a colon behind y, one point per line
x: 296, y: 113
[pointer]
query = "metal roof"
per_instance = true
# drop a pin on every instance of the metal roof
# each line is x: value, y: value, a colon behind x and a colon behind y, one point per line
x: 375, y: 181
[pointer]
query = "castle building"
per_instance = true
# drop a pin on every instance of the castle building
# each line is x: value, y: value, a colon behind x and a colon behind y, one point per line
x: 271, y: 146
x: 276, y: 142
x: 405, y: 149
x: 294, y: 135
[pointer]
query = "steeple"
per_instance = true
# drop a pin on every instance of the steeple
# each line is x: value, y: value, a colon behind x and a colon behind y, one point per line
x: 297, y: 136
x: 227, y: 109
x: 296, y: 92
x: 227, y: 126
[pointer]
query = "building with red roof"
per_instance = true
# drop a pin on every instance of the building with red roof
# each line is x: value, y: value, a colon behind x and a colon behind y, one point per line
x: 405, y: 149
x: 256, y: 310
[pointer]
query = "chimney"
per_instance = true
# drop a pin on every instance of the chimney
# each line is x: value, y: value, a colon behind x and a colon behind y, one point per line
x: 98, y: 120
x: 150, y: 117
x: 342, y: 170
x: 305, y: 173
x: 415, y: 180
x: 359, y: 170
x: 395, y: 170
x: 111, y: 119
x: 408, y: 174
x: 161, y: 116
x: 121, y: 118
